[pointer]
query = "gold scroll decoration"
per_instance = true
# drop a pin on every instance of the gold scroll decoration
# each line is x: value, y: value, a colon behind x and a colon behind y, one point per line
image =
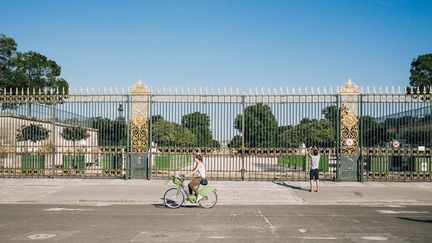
x: 349, y: 119
x: 349, y: 132
x: 139, y: 122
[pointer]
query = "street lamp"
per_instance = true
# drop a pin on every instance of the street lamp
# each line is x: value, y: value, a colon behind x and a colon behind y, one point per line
x: 120, y: 110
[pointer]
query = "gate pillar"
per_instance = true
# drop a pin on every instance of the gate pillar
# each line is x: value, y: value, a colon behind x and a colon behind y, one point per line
x: 139, y: 105
x: 349, y: 132
x: 138, y: 167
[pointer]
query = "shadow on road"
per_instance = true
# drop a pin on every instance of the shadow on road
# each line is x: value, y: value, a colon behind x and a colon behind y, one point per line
x: 291, y: 186
x: 417, y: 220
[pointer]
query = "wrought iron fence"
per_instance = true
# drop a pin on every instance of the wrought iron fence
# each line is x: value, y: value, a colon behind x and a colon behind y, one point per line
x: 255, y: 135
x: 396, y: 135
x: 47, y: 134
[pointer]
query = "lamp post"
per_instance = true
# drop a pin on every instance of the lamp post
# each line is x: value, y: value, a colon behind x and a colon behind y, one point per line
x: 120, y: 110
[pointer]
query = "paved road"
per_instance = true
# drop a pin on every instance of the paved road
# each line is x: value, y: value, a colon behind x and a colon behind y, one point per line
x: 156, y: 223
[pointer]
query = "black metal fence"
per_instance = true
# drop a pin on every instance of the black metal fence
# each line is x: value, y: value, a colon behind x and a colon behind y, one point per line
x: 258, y: 135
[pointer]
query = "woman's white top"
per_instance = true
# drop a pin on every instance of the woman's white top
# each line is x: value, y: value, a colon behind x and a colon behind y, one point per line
x: 201, y: 170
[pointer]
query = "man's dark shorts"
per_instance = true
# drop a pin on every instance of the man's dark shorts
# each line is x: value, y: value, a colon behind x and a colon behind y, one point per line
x: 314, y: 174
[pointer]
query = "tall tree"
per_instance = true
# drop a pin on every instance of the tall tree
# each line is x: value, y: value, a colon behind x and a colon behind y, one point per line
x: 199, y: 124
x: 421, y: 71
x: 167, y: 133
x: 260, y: 126
x: 110, y: 132
x: 27, y: 70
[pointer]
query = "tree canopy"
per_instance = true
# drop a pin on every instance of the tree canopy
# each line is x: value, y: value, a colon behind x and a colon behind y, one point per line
x: 32, y: 133
x: 421, y: 71
x: 110, y: 132
x: 27, y: 70
x: 199, y: 124
x: 166, y: 133
x: 260, y: 126
x: 75, y: 133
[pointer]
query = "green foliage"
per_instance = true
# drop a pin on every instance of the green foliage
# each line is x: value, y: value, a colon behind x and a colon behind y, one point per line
x: 419, y: 137
x: 74, y: 133
x: 236, y: 142
x: 110, y: 132
x: 320, y: 133
x: 199, y: 124
x: 376, y: 134
x: 421, y: 71
x: 260, y: 126
x: 331, y: 113
x: 156, y: 118
x: 27, y: 70
x: 167, y: 133
x: 32, y: 133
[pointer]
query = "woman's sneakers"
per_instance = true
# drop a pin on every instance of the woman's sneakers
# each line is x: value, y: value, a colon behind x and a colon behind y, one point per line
x: 199, y: 198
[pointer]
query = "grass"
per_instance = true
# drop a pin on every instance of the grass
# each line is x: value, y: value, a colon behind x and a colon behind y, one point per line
x: 172, y: 162
x: 301, y: 162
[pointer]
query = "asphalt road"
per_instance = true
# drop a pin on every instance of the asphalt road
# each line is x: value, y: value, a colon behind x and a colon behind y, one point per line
x: 156, y: 223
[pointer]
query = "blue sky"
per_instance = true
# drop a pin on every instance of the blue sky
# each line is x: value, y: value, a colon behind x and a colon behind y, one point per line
x: 224, y: 43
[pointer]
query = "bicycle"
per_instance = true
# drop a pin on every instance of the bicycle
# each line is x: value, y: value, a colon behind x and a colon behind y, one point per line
x: 175, y: 197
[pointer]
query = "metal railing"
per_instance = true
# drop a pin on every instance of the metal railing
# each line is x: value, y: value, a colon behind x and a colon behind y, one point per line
x: 258, y: 135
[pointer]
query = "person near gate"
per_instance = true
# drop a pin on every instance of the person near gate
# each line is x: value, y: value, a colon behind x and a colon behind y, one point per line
x: 314, y: 171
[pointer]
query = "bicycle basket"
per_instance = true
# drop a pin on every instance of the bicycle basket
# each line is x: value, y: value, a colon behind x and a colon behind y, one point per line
x: 176, y: 180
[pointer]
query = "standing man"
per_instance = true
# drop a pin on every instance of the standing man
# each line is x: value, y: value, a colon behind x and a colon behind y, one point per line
x: 314, y: 172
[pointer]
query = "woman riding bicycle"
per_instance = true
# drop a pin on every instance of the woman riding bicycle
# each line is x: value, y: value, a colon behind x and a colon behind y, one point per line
x: 200, y: 168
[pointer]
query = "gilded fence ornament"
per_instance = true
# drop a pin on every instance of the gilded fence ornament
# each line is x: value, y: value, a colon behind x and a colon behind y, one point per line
x: 349, y: 118
x: 139, y: 134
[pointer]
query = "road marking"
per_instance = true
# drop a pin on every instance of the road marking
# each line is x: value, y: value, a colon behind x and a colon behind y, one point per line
x: 302, y: 230
x: 378, y: 238
x: 216, y: 237
x: 41, y: 236
x: 316, y: 238
x: 399, y: 212
x: 232, y: 217
x: 272, y: 228
x: 66, y: 209
x: 395, y: 206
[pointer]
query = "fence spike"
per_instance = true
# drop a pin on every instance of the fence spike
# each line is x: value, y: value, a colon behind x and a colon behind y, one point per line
x: 399, y: 90
x: 293, y: 90
x: 393, y: 90
x: 387, y: 89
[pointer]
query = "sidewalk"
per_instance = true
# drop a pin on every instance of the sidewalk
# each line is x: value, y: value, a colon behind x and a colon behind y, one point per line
x: 117, y: 191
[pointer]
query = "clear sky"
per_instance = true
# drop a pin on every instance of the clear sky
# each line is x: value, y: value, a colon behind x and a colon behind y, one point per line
x: 233, y: 43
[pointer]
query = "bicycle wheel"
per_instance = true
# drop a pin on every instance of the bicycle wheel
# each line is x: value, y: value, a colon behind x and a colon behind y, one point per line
x: 173, y: 198
x: 209, y: 201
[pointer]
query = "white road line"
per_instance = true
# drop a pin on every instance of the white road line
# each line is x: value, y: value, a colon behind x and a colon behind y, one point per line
x: 272, y: 228
x: 377, y: 238
x: 400, y: 212
x: 66, y: 209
